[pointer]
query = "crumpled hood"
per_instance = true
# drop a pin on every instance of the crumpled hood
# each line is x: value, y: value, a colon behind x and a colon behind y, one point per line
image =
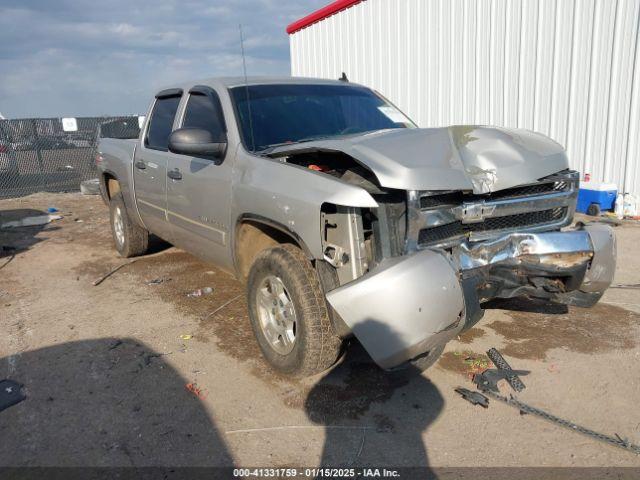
x: 482, y: 159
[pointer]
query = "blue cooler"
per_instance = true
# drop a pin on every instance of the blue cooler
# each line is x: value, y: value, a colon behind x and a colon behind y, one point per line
x: 601, y: 195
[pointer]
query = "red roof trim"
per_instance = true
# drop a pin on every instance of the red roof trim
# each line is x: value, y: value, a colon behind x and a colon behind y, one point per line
x: 321, y: 14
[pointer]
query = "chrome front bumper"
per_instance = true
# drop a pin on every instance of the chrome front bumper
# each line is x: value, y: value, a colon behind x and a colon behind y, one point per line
x: 409, y: 305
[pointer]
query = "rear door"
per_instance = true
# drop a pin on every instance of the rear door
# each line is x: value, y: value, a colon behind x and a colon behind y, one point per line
x: 151, y: 161
x: 199, y: 194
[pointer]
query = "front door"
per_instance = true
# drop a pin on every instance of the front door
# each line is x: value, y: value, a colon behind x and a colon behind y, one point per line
x: 150, y: 165
x: 199, y: 189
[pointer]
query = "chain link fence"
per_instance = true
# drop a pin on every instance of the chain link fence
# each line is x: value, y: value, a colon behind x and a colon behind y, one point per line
x: 54, y: 154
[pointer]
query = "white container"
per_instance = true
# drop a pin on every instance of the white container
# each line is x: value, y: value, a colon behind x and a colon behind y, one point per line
x: 598, y: 186
x: 630, y: 206
x: 619, y: 209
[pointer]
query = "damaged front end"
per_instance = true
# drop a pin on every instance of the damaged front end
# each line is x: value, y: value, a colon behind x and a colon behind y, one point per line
x: 462, y: 249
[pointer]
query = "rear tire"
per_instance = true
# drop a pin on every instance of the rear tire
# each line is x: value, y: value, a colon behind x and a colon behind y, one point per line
x: 288, y: 313
x: 129, y: 238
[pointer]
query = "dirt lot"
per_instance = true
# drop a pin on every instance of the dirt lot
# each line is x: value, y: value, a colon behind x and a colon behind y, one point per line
x: 134, y: 372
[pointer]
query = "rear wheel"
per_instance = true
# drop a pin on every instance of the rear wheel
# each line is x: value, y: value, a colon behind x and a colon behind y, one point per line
x: 289, y: 314
x: 130, y: 239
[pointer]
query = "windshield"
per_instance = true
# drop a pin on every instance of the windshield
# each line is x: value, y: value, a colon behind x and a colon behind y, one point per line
x: 283, y: 114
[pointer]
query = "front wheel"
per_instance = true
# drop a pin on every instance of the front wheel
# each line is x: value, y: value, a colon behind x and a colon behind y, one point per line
x: 289, y: 314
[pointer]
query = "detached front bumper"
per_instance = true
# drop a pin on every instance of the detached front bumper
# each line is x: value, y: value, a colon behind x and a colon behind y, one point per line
x: 410, y: 305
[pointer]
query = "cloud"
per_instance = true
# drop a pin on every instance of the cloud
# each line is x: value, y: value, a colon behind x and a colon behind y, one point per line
x: 78, y: 57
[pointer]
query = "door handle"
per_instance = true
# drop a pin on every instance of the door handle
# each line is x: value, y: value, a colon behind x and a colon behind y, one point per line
x: 174, y: 174
x: 140, y: 165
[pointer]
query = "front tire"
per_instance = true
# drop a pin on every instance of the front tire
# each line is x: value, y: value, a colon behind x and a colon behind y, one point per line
x: 129, y: 238
x: 288, y: 313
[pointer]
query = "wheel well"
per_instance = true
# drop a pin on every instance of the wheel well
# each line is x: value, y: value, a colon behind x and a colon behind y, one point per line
x: 112, y: 186
x: 252, y: 237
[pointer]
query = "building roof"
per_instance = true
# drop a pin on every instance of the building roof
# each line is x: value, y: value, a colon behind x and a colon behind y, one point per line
x: 321, y: 14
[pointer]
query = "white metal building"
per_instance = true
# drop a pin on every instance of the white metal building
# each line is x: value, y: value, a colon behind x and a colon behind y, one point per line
x: 567, y: 68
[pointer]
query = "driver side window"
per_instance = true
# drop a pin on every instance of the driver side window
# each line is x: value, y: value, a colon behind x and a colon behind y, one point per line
x: 204, y: 111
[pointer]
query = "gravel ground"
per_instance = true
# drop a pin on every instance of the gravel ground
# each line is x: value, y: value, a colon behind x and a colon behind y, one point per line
x: 134, y: 372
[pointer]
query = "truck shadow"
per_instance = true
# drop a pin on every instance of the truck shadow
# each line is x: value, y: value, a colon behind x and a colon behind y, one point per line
x: 107, y: 402
x: 399, y: 407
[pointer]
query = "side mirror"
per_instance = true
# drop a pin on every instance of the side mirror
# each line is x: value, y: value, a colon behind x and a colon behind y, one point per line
x: 196, y: 142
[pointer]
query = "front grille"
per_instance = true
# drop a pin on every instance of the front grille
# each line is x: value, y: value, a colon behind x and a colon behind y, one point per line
x: 455, y: 198
x: 527, y: 190
x: 447, y: 231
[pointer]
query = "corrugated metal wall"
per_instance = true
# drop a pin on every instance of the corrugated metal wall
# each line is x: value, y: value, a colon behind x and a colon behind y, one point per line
x: 567, y: 68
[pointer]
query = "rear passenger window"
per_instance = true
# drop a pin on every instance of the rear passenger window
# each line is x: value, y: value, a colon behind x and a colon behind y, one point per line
x: 205, y: 112
x: 161, y: 122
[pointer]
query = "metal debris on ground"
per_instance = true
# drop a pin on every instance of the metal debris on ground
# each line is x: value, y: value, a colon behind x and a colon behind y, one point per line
x: 510, y: 375
x: 158, y: 281
x: 185, y: 336
x: 10, y: 394
x: 31, y: 221
x: 488, y: 380
x: 616, y: 441
x: 200, y: 292
x: 475, y: 398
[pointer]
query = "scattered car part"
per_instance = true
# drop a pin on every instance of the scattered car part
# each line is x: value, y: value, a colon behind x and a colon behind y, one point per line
x: 475, y: 398
x: 10, y: 393
x: 616, y: 441
x: 511, y: 376
x: 488, y: 379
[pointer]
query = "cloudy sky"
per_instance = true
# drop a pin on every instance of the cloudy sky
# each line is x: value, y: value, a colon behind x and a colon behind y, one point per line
x: 106, y: 57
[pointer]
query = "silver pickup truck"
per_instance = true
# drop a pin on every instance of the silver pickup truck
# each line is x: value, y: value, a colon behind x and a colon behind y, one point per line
x: 344, y: 219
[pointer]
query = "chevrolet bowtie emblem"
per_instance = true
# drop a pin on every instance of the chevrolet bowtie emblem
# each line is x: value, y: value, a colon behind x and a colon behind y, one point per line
x: 475, y: 212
